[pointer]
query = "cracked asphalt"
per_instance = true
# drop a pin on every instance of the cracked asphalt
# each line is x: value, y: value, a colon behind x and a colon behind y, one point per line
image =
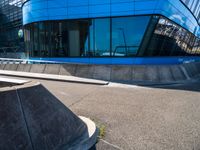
x: 137, y: 117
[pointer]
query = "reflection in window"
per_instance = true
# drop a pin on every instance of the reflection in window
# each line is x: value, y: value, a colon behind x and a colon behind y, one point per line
x: 105, y: 37
x: 169, y: 39
x: 127, y: 34
x: 100, y: 37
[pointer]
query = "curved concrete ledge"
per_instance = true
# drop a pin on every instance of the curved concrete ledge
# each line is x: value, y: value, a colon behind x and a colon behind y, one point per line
x: 116, y: 73
x: 32, y: 118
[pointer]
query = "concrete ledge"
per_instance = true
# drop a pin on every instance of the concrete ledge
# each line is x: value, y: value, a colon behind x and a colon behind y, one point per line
x: 37, y: 68
x: 177, y: 73
x: 53, y: 77
x: 121, y: 73
x: 24, y: 67
x: 116, y: 73
x: 12, y: 67
x: 85, y: 71
x: 165, y: 74
x: 13, y: 81
x: 152, y: 74
x: 102, y: 72
x: 139, y: 73
x: 52, y: 69
x: 67, y: 69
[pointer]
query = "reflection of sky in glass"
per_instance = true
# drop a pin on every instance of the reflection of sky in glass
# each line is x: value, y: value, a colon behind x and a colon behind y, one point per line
x: 194, y: 6
x: 128, y: 32
x: 100, y: 35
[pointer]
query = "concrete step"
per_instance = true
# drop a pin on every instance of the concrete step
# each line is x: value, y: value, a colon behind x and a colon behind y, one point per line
x: 52, y: 77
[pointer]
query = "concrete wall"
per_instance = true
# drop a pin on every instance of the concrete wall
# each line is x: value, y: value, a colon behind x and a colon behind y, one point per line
x: 118, y: 73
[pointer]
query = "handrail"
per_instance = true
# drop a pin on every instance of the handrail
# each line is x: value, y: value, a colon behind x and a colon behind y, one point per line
x: 126, y: 48
x: 26, y: 61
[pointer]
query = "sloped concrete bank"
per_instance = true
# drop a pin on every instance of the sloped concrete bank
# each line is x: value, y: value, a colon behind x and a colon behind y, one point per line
x: 116, y: 73
x: 32, y: 118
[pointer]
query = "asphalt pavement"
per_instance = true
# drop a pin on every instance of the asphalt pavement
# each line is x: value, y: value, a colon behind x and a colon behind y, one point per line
x: 163, y: 117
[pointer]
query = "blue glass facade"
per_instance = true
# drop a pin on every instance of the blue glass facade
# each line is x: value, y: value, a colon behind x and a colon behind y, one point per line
x: 40, y: 10
x: 111, y: 28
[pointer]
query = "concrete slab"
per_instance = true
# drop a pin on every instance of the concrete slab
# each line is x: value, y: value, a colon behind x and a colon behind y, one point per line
x: 165, y: 74
x: 13, y: 81
x: 2, y: 66
x: 85, y: 71
x: 102, y: 72
x: 177, y: 73
x: 12, y: 67
x: 24, y: 67
x: 151, y: 74
x: 121, y: 73
x: 67, y: 69
x: 52, y: 69
x: 139, y: 73
x: 191, y: 69
x: 53, y: 77
x: 37, y: 68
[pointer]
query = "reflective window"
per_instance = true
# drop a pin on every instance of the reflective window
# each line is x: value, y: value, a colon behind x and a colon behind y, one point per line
x: 10, y: 26
x: 100, y: 37
x: 127, y: 34
x: 194, y: 6
x: 106, y: 37
x: 57, y: 39
x: 169, y: 39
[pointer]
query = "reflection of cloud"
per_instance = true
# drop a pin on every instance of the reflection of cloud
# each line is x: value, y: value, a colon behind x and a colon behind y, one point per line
x: 17, y: 3
x: 178, y: 17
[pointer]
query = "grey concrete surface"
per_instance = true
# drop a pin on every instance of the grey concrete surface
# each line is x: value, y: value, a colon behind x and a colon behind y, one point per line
x: 67, y: 69
x: 121, y: 73
x: 161, y: 117
x: 165, y: 74
x: 117, y: 73
x: 52, y: 69
x: 33, y: 119
x: 37, y: 68
x: 102, y: 72
x: 177, y: 73
x: 12, y: 67
x: 52, y: 77
x: 85, y: 71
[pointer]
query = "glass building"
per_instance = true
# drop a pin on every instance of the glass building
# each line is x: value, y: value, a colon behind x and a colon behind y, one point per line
x: 111, y: 31
x: 11, y: 33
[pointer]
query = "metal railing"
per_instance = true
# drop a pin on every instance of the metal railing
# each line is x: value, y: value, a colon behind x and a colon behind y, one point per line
x: 25, y: 61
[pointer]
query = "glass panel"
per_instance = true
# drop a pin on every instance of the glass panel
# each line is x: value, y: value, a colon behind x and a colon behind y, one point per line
x: 127, y: 34
x: 78, y: 38
x: 169, y: 39
x: 92, y: 37
x: 100, y: 37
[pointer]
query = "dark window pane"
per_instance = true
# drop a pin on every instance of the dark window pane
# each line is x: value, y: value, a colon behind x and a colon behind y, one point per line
x: 169, y: 39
